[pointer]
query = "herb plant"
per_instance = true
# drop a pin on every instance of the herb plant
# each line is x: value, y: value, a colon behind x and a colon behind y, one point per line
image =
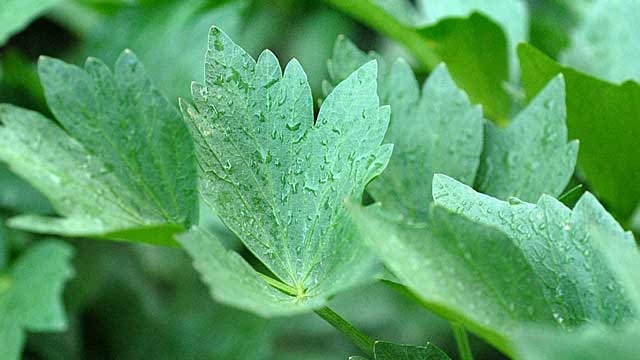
x: 473, y: 180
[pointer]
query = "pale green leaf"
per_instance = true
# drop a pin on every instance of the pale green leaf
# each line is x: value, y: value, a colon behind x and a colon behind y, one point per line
x: 121, y: 165
x: 434, y: 130
x: 17, y: 14
x: 276, y: 177
x: 31, y: 295
x: 531, y: 156
x: 604, y: 117
x: 496, y: 266
x: 605, y: 43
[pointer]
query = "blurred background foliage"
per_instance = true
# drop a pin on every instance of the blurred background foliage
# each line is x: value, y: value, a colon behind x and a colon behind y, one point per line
x: 130, y: 301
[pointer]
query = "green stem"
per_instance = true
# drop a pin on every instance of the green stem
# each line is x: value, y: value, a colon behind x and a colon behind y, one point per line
x: 462, y: 340
x: 360, y: 339
x: 376, y: 18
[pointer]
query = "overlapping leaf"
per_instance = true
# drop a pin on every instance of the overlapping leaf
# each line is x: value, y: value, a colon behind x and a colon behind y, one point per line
x: 120, y: 166
x: 512, y: 263
x: 437, y: 130
x: 30, y: 294
x: 277, y: 178
x: 604, y: 117
x: 474, y: 48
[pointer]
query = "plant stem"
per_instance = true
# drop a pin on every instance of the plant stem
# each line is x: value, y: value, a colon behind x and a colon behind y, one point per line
x: 360, y: 339
x: 462, y: 340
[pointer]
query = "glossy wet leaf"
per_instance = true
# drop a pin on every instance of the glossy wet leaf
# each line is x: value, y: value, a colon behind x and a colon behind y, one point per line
x: 604, y: 117
x: 605, y: 42
x: 31, y: 294
x: 17, y: 14
x: 496, y: 266
x: 473, y: 47
x: 277, y: 178
x: 120, y: 166
x: 531, y: 156
x: 434, y: 129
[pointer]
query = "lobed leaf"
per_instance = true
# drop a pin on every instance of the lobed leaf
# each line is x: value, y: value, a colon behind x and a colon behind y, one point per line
x: 31, y: 294
x: 605, y: 118
x: 434, y: 129
x: 514, y: 263
x: 121, y: 163
x: 276, y: 177
x: 530, y: 157
x: 474, y: 47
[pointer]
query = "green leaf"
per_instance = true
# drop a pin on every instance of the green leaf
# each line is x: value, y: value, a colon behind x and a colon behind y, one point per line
x: 277, y: 178
x: 17, y: 14
x: 143, y: 27
x: 434, y: 130
x: 30, y: 295
x: 604, y: 44
x: 437, y: 130
x: 120, y: 166
x: 594, y: 342
x: 511, y: 15
x: 530, y: 157
x: 604, y: 117
x: 512, y: 263
x: 474, y: 48
x: 390, y: 351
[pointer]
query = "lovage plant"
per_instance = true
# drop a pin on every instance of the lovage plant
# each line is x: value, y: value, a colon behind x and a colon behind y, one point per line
x: 442, y: 185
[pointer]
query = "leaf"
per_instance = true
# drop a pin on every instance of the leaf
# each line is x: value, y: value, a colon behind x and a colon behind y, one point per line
x: 530, y: 157
x: 121, y: 165
x: 437, y: 130
x: 30, y: 295
x: 434, y: 130
x: 511, y: 15
x: 591, y: 343
x: 604, y: 117
x: 474, y: 48
x: 142, y: 27
x: 17, y: 195
x: 513, y: 263
x: 277, y: 178
x: 17, y: 14
x: 604, y: 43
x: 390, y: 351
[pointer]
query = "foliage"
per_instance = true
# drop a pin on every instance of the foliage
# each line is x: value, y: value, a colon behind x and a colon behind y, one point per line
x: 429, y: 191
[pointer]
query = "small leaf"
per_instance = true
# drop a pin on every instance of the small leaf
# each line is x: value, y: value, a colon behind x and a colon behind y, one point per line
x: 31, y: 295
x: 121, y: 165
x: 391, y: 351
x: 276, y: 177
x: 604, y: 117
x: 530, y: 157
